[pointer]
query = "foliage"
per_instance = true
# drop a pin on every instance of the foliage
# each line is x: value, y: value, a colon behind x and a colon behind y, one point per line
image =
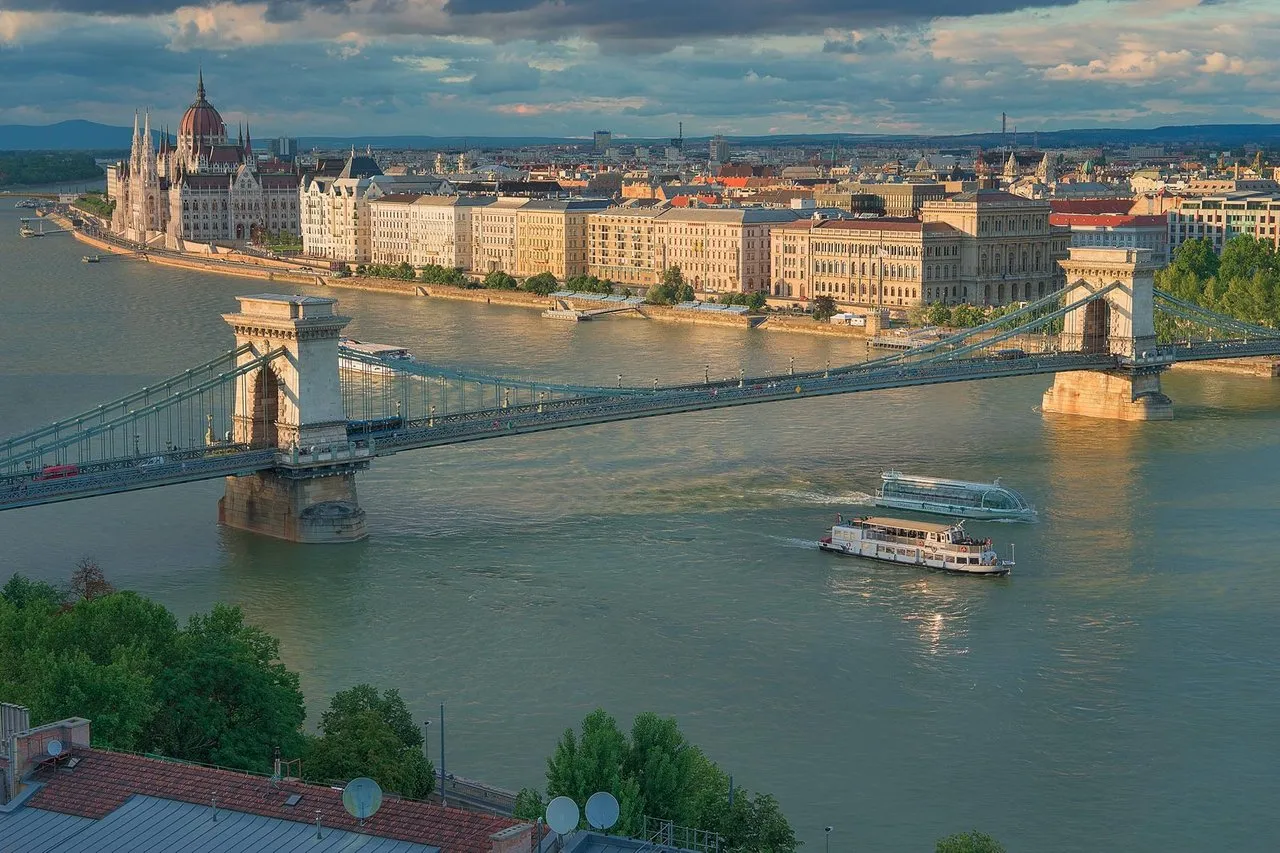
x: 436, y: 274
x: 46, y: 167
x: 529, y: 805
x: 280, y: 241
x: 937, y: 314
x: 403, y: 271
x: 755, y: 301
x: 671, y: 290
x: 21, y: 591
x: 543, y: 283
x: 824, y: 308
x: 97, y: 204
x: 365, y: 733
x: 969, y: 842
x: 589, y: 284
x: 224, y: 696
x: 211, y: 691
x: 1243, y: 283
x: 655, y: 771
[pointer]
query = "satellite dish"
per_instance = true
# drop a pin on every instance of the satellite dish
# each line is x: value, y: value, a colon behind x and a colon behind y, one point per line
x: 362, y: 798
x: 562, y: 815
x: 602, y: 810
x: 54, y: 748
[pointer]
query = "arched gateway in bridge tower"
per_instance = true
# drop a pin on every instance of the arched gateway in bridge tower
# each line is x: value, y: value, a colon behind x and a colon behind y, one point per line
x: 1120, y: 321
x: 293, y: 403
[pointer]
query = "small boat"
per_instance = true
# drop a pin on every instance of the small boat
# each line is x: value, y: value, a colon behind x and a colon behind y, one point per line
x: 939, y: 547
x: 350, y: 348
x: 28, y: 203
x: 28, y: 231
x: 566, y: 314
x: 954, y: 498
x: 91, y: 259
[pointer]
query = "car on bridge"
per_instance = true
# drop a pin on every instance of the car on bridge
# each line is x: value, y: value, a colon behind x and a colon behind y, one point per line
x: 1009, y: 354
x: 58, y: 472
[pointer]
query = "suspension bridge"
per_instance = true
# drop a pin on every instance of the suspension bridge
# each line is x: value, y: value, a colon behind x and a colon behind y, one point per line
x: 290, y: 415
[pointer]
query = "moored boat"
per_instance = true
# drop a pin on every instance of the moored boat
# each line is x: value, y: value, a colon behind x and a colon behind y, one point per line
x: 953, y: 498
x: 940, y: 547
x: 349, y: 349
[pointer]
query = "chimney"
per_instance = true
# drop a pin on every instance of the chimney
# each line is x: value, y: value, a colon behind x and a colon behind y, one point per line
x: 30, y: 748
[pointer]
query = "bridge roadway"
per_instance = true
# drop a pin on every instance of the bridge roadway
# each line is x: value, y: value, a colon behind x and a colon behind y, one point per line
x: 610, y: 405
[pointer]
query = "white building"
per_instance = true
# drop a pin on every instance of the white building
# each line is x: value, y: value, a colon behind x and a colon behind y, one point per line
x: 1118, y: 230
x: 336, y: 221
x: 493, y: 235
x: 423, y: 229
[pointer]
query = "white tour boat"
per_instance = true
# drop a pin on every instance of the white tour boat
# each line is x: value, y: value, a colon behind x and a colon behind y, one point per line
x: 954, y: 498
x: 941, y: 547
x: 349, y: 347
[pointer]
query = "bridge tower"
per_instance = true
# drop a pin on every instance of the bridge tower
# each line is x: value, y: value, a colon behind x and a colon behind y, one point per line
x: 1121, y: 322
x: 294, y: 404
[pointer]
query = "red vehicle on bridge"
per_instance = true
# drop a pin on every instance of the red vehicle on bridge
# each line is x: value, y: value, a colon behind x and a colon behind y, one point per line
x: 57, y: 472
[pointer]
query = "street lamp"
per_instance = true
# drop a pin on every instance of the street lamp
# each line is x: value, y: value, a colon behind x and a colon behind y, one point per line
x: 828, y: 836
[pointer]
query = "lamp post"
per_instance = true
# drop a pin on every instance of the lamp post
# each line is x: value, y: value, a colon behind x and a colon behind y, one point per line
x: 828, y: 837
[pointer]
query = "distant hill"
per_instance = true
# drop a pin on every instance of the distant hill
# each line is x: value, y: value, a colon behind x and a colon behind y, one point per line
x: 79, y: 135
x: 74, y: 135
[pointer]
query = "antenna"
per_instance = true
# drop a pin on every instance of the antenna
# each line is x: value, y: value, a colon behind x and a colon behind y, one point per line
x: 362, y: 798
x: 602, y: 810
x: 562, y: 815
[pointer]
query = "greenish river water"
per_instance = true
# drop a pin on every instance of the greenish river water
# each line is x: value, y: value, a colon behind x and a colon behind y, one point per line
x: 1119, y: 692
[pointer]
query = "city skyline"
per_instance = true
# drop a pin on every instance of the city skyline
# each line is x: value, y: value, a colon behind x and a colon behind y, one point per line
x: 526, y: 68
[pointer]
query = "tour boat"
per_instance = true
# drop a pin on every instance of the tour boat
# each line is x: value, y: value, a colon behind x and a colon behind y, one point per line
x: 382, y: 352
x: 941, y: 547
x: 955, y: 498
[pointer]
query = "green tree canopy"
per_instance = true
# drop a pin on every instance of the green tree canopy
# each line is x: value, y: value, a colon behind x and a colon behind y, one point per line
x: 969, y: 842
x: 655, y: 771
x: 824, y: 307
x: 365, y: 733
x: 225, y: 698
x: 498, y: 280
x: 543, y: 283
x: 671, y: 290
x: 21, y: 591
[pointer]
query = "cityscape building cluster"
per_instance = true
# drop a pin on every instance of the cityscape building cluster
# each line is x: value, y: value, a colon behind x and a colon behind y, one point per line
x: 867, y: 227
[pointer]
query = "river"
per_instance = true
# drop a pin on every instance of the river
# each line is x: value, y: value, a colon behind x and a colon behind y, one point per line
x: 1119, y: 691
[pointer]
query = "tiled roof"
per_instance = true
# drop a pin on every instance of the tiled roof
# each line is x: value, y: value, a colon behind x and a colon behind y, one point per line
x: 1091, y: 205
x: 1114, y: 220
x: 882, y: 224
x: 103, y: 781
x: 990, y: 197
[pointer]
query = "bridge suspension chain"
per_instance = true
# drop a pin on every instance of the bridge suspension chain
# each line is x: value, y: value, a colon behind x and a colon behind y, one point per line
x: 182, y: 421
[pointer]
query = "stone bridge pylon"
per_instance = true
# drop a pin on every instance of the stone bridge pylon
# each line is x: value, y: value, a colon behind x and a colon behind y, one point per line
x: 294, y: 403
x: 1122, y: 322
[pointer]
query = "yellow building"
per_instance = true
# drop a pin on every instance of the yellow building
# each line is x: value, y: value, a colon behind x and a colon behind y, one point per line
x: 551, y: 236
x: 983, y: 248
x: 718, y: 250
x: 493, y: 235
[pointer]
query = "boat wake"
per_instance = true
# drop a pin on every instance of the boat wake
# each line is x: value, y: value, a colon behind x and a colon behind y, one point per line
x: 793, y: 542
x: 807, y: 497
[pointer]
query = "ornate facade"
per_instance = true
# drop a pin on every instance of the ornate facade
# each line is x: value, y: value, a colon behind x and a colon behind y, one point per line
x: 204, y: 188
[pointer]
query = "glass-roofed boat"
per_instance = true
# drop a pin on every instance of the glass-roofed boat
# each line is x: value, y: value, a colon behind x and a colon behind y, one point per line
x: 956, y: 498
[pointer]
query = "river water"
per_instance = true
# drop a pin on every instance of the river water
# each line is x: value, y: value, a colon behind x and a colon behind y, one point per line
x: 1119, y: 692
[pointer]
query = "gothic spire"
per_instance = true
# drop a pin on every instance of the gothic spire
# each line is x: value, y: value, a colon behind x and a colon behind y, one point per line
x: 248, y: 142
x: 200, y: 85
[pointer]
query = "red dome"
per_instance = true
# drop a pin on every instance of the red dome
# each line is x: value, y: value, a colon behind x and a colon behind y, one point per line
x: 201, y: 120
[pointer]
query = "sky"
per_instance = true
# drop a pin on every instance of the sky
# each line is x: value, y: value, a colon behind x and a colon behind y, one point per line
x: 637, y: 67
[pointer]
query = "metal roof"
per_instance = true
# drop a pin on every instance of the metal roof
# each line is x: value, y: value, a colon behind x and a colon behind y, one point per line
x: 154, y: 824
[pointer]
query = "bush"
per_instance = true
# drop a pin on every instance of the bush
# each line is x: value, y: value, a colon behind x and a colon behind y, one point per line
x: 498, y: 280
x: 542, y: 284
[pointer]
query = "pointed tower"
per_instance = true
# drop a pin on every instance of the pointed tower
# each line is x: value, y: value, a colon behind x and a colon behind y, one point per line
x: 1011, y: 166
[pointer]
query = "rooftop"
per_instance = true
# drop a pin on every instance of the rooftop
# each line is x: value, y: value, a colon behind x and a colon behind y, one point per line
x: 111, y: 787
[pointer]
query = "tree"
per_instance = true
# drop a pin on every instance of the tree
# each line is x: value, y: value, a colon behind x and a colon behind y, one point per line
x: 88, y: 581
x: 1197, y: 257
x: 969, y: 842
x: 672, y: 289
x: 657, y: 772
x: 225, y: 697
x: 529, y: 805
x: 365, y: 733
x: 937, y: 314
x: 824, y: 308
x: 404, y: 270
x: 543, y: 283
x: 21, y: 591
x: 498, y: 280
x: 756, y: 301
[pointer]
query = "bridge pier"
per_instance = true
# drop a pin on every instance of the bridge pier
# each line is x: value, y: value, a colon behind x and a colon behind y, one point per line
x: 294, y: 404
x: 1119, y: 395
x: 309, y: 510
x: 1121, y: 322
